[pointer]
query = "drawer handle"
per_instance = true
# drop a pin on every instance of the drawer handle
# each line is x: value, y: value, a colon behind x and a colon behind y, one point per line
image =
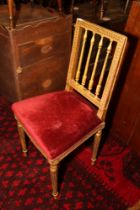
x: 45, y: 49
x: 47, y: 83
x: 19, y: 70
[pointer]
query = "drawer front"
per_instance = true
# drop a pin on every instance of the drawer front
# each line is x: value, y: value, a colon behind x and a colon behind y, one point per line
x: 45, y: 76
x: 35, y: 51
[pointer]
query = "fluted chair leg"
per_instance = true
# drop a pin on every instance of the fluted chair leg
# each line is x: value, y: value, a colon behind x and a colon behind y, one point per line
x: 54, y: 179
x: 22, y: 139
x: 96, y: 144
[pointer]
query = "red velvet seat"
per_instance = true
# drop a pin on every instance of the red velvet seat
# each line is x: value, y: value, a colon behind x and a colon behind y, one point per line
x: 56, y: 121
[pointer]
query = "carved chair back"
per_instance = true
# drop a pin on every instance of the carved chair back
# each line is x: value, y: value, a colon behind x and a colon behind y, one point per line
x: 96, y: 57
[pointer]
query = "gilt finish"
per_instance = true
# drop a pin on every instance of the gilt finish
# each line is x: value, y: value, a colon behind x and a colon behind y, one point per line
x: 96, y: 144
x: 22, y: 138
x: 54, y: 175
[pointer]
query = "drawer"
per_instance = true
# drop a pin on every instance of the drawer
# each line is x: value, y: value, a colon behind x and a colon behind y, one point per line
x: 45, y: 76
x: 35, y: 51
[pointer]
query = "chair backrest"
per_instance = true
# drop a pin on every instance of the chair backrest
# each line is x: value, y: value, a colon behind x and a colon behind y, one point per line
x: 95, y: 61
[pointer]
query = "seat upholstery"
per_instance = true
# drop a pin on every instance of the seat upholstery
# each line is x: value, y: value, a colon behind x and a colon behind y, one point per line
x: 56, y: 121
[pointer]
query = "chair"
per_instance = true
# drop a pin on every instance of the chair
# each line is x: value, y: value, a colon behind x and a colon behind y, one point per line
x: 59, y: 122
x: 60, y: 5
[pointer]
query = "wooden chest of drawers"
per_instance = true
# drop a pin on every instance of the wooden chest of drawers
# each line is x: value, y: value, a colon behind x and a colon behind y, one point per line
x: 34, y: 55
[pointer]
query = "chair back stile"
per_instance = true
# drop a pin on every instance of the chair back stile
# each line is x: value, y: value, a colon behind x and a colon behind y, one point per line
x: 97, y: 54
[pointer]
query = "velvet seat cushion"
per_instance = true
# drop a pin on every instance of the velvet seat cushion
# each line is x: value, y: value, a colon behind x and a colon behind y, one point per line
x: 56, y: 121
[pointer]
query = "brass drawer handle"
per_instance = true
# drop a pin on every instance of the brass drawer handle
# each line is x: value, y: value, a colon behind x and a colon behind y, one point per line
x: 45, y: 49
x: 19, y: 70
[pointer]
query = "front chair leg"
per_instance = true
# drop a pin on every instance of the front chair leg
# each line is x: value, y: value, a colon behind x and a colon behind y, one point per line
x: 96, y: 144
x: 22, y: 138
x: 54, y: 179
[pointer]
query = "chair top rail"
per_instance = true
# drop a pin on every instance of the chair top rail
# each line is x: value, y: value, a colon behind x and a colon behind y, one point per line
x: 114, y: 36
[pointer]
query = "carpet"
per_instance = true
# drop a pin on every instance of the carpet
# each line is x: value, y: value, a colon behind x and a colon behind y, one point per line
x: 112, y: 184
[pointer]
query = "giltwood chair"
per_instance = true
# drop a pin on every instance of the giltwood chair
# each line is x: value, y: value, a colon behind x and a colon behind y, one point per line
x: 60, y: 7
x: 59, y: 122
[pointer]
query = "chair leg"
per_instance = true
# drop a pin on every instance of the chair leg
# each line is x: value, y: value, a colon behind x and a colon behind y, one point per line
x: 59, y: 3
x: 71, y: 7
x: 22, y: 138
x: 102, y: 9
x: 96, y: 144
x: 54, y: 179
